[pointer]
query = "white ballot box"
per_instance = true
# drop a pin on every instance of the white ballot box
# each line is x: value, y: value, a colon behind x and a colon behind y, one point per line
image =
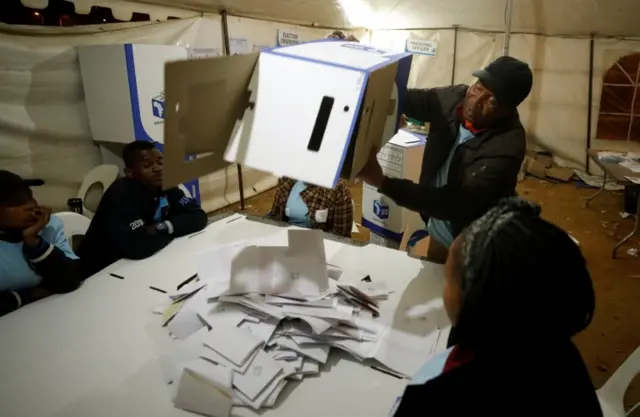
x: 124, y: 91
x: 401, y: 157
x: 310, y: 111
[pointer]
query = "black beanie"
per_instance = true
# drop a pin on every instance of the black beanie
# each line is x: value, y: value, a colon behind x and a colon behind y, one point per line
x: 509, y: 79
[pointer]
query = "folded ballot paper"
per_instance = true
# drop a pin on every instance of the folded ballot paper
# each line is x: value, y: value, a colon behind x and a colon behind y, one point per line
x: 259, y: 316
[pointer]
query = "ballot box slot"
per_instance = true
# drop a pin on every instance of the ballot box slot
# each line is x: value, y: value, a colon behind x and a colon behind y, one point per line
x: 320, y: 127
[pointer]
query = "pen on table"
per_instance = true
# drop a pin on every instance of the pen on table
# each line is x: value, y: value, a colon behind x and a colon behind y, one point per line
x: 186, y: 281
x: 116, y: 276
x: 233, y: 220
x: 158, y: 289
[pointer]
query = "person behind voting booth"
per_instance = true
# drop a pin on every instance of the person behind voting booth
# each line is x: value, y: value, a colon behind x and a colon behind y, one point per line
x: 307, y: 205
x: 517, y: 289
x: 135, y: 217
x: 36, y: 259
x: 475, y: 148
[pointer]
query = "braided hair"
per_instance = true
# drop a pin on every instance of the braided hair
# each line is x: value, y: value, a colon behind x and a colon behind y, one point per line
x: 521, y: 277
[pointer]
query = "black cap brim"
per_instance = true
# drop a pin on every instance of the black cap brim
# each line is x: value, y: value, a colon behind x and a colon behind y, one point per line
x: 489, y: 82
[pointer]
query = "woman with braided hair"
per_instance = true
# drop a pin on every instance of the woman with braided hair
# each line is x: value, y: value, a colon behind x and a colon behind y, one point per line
x: 517, y: 290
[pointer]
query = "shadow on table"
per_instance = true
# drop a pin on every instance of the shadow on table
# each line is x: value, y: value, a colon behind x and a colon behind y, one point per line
x: 423, y: 288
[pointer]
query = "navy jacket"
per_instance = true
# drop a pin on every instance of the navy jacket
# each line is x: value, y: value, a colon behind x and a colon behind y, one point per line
x: 539, y: 379
x: 119, y: 228
x: 483, y: 170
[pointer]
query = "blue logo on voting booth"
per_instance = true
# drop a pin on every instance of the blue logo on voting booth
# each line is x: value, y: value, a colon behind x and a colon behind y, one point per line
x: 157, y: 105
x: 380, y: 209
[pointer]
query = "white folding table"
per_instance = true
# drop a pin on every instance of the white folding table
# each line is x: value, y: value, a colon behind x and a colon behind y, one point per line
x: 94, y: 352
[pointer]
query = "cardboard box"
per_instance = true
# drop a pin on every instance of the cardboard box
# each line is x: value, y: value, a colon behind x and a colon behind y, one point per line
x: 123, y: 86
x: 310, y: 111
x: 400, y: 158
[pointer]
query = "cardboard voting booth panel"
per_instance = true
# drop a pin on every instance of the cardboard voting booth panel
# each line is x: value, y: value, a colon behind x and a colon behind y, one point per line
x: 124, y: 91
x: 310, y: 111
x: 401, y: 157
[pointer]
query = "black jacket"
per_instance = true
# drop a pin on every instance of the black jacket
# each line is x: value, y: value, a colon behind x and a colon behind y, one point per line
x: 549, y: 380
x: 483, y: 170
x: 118, y: 228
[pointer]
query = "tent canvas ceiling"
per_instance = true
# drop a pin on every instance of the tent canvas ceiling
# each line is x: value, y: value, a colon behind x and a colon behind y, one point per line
x: 552, y: 17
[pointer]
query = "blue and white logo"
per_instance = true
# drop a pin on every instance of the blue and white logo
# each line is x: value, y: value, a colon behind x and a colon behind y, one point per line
x: 380, y: 209
x: 157, y: 105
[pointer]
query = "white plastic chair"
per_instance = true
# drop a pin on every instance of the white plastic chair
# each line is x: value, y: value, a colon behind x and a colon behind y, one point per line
x: 611, y: 395
x: 102, y: 174
x: 74, y: 224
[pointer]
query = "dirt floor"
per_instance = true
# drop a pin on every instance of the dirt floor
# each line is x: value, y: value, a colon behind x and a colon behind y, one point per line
x: 615, y: 331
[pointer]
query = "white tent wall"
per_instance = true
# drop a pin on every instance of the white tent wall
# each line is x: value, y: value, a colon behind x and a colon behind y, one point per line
x: 555, y: 114
x: 44, y: 130
x: 426, y: 71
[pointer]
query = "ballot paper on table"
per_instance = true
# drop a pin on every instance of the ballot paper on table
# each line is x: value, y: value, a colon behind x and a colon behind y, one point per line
x: 206, y: 389
x: 187, y: 321
x: 262, y: 371
x: 235, y: 344
x: 297, y: 270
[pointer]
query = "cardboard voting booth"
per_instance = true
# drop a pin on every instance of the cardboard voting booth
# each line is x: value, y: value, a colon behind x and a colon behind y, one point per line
x: 310, y: 111
x: 401, y: 157
x: 124, y: 92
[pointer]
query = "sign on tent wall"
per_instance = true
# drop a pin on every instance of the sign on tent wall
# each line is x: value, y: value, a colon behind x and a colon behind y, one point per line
x: 427, y: 70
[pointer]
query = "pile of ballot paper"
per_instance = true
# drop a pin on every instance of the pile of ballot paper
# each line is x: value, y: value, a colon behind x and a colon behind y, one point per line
x: 265, y: 316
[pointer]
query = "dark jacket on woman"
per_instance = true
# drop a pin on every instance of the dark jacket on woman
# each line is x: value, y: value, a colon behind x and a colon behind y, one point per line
x: 483, y: 170
x: 541, y: 379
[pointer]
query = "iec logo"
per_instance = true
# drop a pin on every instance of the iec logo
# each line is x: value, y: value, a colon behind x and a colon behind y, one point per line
x: 157, y: 105
x: 380, y: 209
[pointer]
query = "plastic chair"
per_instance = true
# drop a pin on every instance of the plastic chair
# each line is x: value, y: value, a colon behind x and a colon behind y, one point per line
x: 611, y: 395
x: 74, y: 224
x: 102, y: 174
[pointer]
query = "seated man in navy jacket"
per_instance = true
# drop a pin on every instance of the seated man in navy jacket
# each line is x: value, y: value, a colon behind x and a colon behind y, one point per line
x: 35, y: 257
x: 135, y: 217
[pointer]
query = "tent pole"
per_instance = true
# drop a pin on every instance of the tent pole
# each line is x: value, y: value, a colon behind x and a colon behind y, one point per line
x: 590, y: 103
x: 455, y: 53
x: 508, y: 12
x: 227, y: 52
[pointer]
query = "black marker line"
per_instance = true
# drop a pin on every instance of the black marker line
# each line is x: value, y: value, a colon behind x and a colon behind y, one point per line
x: 186, y: 281
x: 158, y: 289
x: 233, y: 220
x: 116, y: 276
x: 384, y: 371
x: 196, y: 234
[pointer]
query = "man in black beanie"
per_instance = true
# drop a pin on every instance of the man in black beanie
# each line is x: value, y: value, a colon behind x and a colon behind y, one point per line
x: 474, y: 151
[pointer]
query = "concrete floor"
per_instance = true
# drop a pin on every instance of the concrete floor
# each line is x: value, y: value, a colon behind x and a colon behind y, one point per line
x: 615, y: 331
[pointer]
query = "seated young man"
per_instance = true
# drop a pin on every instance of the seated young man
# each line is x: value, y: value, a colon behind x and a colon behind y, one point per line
x: 306, y: 205
x: 135, y: 217
x: 35, y: 257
